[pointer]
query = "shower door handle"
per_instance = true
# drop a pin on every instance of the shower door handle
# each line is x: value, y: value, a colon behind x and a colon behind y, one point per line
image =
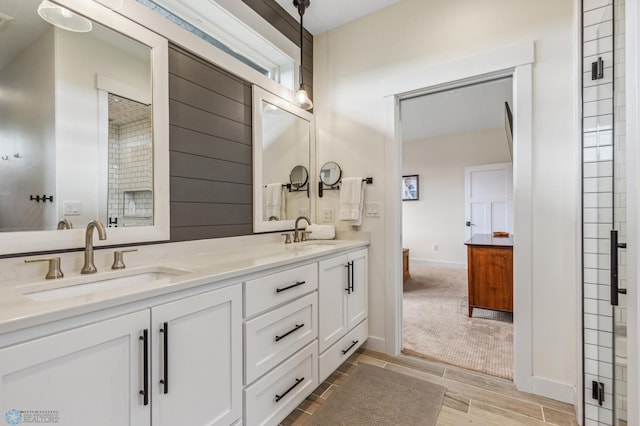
x: 615, y: 290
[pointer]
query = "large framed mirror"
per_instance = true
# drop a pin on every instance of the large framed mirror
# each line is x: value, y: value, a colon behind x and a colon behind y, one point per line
x: 84, y: 128
x: 283, y: 157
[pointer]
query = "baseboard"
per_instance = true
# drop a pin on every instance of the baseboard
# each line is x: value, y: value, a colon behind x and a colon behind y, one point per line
x: 554, y: 390
x: 375, y: 344
x: 448, y: 264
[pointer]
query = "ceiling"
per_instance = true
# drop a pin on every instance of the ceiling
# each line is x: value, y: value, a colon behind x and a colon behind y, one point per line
x: 465, y: 109
x: 323, y: 15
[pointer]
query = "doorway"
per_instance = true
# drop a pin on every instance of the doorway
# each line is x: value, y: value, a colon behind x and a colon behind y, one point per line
x: 516, y: 61
x: 449, y: 138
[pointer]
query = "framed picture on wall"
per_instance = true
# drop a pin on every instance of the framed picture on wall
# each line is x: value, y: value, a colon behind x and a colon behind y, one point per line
x: 410, y: 190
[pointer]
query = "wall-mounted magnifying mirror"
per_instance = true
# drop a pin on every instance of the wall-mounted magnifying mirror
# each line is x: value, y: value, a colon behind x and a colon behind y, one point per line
x: 283, y: 149
x: 330, y: 173
x: 299, y: 177
x: 84, y: 117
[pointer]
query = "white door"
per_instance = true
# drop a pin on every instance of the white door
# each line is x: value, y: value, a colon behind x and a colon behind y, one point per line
x: 357, y: 297
x: 488, y: 199
x: 332, y: 302
x: 91, y: 375
x: 203, y: 375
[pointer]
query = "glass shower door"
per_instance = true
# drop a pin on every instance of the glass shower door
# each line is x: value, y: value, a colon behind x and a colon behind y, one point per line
x: 604, y: 214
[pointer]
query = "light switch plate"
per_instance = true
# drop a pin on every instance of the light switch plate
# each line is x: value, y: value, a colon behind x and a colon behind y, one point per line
x: 373, y: 209
x: 72, y: 208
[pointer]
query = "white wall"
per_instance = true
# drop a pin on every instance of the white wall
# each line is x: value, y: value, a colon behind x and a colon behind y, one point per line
x: 438, y: 216
x: 79, y: 59
x: 27, y: 129
x: 351, y: 64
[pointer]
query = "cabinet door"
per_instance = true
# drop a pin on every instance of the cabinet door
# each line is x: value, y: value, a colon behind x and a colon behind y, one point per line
x: 198, y: 356
x: 332, y: 303
x: 358, y: 297
x: 90, y: 375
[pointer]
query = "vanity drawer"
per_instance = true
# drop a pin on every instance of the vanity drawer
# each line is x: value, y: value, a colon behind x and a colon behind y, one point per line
x: 331, y: 359
x: 272, y: 290
x: 269, y: 400
x: 272, y: 337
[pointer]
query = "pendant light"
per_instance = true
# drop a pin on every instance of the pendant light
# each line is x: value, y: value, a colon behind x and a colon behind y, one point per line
x: 301, y: 95
x: 63, y: 18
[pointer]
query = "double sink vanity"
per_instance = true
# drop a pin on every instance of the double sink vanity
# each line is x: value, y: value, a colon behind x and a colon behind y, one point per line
x: 216, y: 331
x: 188, y: 333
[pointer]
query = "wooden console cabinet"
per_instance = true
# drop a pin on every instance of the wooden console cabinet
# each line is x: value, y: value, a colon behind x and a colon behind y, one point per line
x: 490, y: 268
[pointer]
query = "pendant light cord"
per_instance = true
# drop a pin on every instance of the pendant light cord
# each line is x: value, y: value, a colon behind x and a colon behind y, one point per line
x: 301, y: 8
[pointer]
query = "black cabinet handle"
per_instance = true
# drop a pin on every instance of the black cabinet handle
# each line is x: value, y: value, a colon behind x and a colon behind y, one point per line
x: 296, y: 328
x: 348, y: 266
x: 278, y: 290
x: 145, y: 368
x: 165, y: 348
x: 298, y: 381
x: 353, y: 343
x: 352, y: 277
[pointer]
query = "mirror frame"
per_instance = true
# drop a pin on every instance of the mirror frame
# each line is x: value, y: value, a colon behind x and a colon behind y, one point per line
x: 15, y: 243
x: 260, y: 95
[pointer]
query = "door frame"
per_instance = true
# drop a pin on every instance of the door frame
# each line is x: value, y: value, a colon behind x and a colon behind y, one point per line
x: 514, y: 61
x: 632, y: 56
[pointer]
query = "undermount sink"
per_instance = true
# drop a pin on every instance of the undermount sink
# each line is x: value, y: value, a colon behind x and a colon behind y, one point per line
x: 79, y: 286
x: 315, y: 245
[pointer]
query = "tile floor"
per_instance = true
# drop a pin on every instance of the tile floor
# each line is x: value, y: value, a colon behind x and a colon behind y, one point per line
x: 471, y: 398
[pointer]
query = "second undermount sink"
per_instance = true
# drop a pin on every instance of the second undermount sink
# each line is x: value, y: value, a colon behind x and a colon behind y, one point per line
x: 315, y: 244
x: 86, y: 284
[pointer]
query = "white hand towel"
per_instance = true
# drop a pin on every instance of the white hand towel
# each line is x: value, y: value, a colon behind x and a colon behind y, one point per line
x: 321, y: 232
x: 351, y: 200
x: 274, y: 201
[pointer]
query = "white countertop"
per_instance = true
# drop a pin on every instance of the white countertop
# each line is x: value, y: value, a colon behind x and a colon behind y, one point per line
x: 209, y: 265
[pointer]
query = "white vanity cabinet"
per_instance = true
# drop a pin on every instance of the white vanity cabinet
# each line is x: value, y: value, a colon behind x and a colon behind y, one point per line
x: 98, y: 374
x: 343, y: 308
x: 196, y: 359
x: 90, y: 375
x: 280, y: 343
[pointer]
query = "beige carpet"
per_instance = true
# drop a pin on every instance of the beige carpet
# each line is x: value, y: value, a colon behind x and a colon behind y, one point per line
x: 376, y: 396
x: 436, y: 324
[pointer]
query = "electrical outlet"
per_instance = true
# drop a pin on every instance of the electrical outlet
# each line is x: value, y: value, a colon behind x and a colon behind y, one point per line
x: 303, y: 212
x: 434, y: 247
x: 328, y: 215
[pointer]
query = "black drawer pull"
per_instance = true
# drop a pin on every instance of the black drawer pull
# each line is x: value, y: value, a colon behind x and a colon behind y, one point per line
x: 165, y: 347
x: 279, y: 397
x: 353, y: 343
x: 297, y: 327
x: 145, y: 368
x: 278, y: 290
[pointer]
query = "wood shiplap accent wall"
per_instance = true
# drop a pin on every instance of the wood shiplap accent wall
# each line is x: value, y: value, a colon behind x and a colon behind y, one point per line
x: 210, y: 150
x: 273, y: 13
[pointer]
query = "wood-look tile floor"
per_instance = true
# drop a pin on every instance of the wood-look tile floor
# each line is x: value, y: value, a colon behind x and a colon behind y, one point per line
x: 471, y: 398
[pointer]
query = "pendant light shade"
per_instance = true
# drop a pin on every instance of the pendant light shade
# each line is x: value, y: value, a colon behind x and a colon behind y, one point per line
x: 301, y: 97
x: 63, y: 18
